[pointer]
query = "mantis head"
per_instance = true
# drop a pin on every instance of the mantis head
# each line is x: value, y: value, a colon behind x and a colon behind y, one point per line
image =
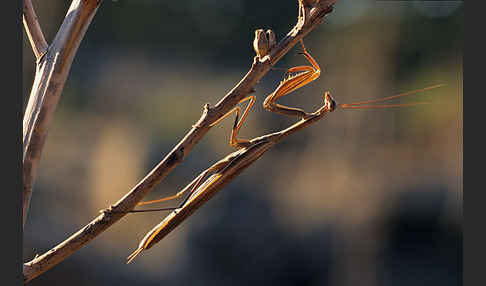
x: 329, y: 102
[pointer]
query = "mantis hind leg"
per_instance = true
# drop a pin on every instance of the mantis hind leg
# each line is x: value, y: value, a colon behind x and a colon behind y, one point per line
x: 192, y: 187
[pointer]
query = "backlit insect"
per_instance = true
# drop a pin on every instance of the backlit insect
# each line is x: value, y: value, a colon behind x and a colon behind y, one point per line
x: 202, y: 189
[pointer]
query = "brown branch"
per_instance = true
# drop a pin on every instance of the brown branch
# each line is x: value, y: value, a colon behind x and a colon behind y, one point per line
x: 34, y: 31
x: 309, y: 18
x: 51, y: 74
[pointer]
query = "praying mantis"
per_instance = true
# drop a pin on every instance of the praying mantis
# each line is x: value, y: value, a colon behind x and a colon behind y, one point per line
x: 211, y: 180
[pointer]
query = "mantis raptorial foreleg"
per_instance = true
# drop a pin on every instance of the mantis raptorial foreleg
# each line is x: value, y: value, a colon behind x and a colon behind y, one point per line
x: 290, y: 84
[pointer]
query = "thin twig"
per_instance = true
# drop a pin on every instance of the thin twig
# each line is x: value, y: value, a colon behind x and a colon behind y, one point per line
x: 34, y: 31
x: 309, y: 18
x: 51, y: 74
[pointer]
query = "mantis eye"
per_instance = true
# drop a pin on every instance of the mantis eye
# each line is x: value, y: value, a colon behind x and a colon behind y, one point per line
x: 329, y: 102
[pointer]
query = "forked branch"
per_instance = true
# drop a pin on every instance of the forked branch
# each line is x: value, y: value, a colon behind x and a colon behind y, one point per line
x: 51, y: 73
x: 33, y: 30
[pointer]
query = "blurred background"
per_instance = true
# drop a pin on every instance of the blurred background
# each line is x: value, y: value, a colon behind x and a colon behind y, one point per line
x: 370, y: 197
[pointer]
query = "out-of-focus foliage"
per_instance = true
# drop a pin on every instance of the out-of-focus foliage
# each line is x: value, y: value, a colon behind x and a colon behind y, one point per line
x: 360, y: 198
